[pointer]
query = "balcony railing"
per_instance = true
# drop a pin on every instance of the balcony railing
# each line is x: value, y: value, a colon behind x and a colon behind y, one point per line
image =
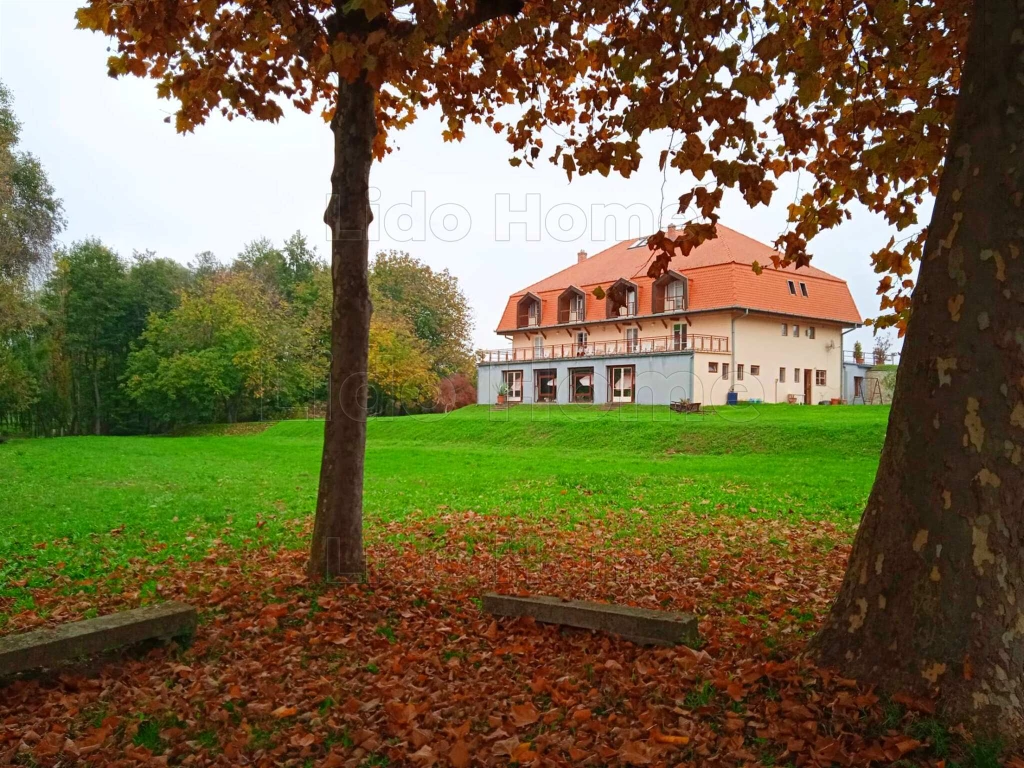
x: 571, y: 316
x: 872, y: 357
x: 658, y: 345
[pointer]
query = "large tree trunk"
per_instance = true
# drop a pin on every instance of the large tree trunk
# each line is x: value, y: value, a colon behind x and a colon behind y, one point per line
x: 933, y: 596
x: 337, y: 548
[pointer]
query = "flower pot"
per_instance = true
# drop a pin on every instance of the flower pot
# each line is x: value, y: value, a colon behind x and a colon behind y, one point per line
x: 501, y: 399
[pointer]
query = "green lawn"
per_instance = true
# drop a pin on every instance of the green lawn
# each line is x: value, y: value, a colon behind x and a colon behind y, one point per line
x: 80, y: 507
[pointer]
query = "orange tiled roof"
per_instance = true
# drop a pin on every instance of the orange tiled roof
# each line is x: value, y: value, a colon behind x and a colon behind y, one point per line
x: 720, y: 277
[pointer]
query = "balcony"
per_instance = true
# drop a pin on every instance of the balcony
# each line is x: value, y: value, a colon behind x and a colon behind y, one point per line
x: 528, y: 311
x: 572, y: 306
x: 655, y: 345
x: 571, y: 316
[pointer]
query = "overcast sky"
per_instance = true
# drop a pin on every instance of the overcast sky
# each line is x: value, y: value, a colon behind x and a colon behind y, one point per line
x: 126, y: 177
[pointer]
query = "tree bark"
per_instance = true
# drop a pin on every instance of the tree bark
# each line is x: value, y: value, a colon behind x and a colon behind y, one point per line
x: 337, y: 547
x: 97, y: 416
x: 933, y: 598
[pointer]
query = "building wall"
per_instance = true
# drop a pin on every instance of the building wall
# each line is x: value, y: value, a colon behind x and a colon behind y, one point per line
x: 660, y: 379
x: 852, y: 370
x: 759, y: 341
x: 649, y: 327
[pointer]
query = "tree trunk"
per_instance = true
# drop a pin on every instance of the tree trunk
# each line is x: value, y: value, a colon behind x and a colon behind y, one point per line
x: 97, y: 416
x: 337, y: 547
x: 933, y: 596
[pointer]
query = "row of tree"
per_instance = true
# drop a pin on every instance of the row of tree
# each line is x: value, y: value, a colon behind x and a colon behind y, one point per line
x: 106, y: 345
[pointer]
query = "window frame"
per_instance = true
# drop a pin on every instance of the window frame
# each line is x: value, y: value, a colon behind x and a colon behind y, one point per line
x: 573, y: 374
x: 538, y: 377
x: 725, y: 371
x: 803, y: 290
x: 810, y: 332
x: 505, y: 379
x: 796, y: 331
x: 796, y: 375
x: 820, y: 378
x: 785, y: 329
x: 792, y: 288
x: 611, y: 383
x: 713, y: 367
x: 739, y: 371
x: 755, y: 370
x: 782, y: 375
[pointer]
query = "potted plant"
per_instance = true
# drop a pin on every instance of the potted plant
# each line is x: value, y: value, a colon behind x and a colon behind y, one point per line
x: 502, y: 393
x: 858, y: 352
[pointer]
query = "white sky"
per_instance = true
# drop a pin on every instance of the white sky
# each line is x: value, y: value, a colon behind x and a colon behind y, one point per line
x: 126, y: 177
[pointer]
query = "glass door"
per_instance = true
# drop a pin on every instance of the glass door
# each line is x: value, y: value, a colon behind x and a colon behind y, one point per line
x: 581, y: 343
x: 632, y: 340
x: 679, y: 336
x: 514, y: 382
x: 622, y: 383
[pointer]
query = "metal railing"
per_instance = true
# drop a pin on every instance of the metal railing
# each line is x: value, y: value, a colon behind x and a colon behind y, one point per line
x: 571, y: 316
x: 657, y: 345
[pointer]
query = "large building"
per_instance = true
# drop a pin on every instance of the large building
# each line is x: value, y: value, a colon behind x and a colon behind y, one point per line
x: 706, y: 328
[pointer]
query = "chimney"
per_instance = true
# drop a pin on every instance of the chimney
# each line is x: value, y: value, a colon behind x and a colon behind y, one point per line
x: 581, y: 257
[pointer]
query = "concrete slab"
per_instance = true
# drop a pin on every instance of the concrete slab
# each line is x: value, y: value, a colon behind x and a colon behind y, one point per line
x: 641, y: 625
x: 48, y: 647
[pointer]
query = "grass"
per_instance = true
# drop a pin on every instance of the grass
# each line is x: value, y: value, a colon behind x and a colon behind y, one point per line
x: 85, y: 506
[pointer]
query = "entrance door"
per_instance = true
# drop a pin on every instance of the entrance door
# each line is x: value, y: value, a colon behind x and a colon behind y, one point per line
x: 808, y: 382
x: 622, y: 383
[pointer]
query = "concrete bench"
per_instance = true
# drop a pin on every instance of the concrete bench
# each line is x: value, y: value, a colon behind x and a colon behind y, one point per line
x: 641, y: 625
x: 48, y: 647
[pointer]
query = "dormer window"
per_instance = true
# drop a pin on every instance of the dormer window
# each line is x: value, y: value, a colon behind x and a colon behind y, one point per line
x: 792, y: 288
x: 671, y: 293
x: 572, y: 306
x: 528, y: 311
x: 803, y: 290
x: 621, y: 299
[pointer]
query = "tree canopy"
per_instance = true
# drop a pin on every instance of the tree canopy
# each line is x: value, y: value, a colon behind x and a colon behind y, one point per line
x: 860, y: 108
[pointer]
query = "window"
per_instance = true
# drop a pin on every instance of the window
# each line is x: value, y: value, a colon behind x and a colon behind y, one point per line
x: 538, y: 347
x: 581, y: 385
x: 810, y: 332
x: 782, y: 375
x: 796, y: 375
x: 796, y: 331
x: 514, y: 381
x: 632, y: 339
x: 755, y: 370
x: 547, y: 388
x: 803, y: 290
x: 712, y: 367
x: 819, y: 378
x: 725, y: 370
x: 785, y: 329
x: 739, y: 372
x: 792, y: 288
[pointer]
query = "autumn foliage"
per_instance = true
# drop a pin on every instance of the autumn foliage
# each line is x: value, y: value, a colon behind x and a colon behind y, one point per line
x: 409, y: 670
x: 858, y: 106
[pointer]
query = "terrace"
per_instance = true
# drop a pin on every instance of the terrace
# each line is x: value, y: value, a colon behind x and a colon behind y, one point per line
x: 655, y: 345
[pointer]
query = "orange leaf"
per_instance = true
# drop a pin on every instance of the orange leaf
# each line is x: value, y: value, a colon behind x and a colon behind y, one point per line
x: 459, y: 754
x: 524, y: 714
x: 284, y: 712
x: 664, y: 738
